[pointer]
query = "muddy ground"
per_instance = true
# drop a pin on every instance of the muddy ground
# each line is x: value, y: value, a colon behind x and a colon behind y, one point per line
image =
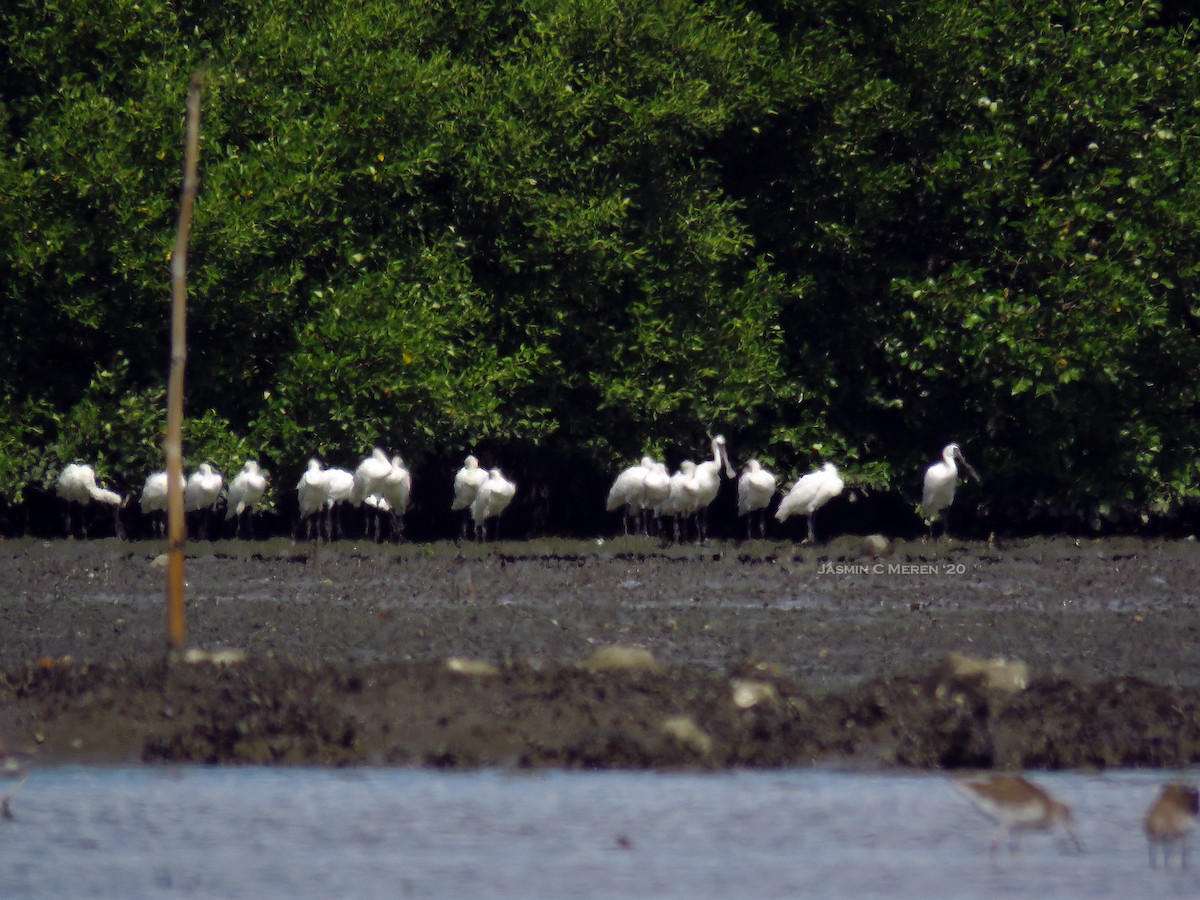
x: 759, y: 654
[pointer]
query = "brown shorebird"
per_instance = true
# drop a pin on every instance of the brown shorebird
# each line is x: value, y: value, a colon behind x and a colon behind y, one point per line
x: 1170, y: 821
x: 1017, y: 804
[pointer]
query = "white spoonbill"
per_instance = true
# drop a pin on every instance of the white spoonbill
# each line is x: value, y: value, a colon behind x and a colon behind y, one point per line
x: 708, y: 483
x: 681, y: 496
x: 656, y: 488
x: 154, y: 501
x: 809, y: 494
x: 628, y: 489
x: 245, y: 493
x: 77, y: 484
x: 396, y: 492
x: 467, y: 482
x: 312, y: 493
x: 369, y: 476
x: 756, y: 487
x: 493, y: 498
x: 201, y: 493
x: 340, y: 485
x: 941, y: 479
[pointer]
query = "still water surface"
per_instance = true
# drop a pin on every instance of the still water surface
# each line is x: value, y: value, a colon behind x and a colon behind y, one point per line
x: 256, y: 832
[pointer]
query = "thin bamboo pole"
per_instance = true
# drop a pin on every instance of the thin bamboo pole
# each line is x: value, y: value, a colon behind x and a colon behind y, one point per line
x: 177, y: 526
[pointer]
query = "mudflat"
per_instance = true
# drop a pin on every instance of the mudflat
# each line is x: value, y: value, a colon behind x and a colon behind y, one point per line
x: 1031, y: 653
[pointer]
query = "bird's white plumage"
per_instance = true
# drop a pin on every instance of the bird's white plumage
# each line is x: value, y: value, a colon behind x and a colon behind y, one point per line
x: 203, y: 488
x: 810, y: 493
x: 467, y: 482
x: 941, y: 479
x: 397, y: 487
x: 681, y: 496
x: 77, y: 484
x: 154, y: 493
x: 339, y: 485
x: 656, y: 486
x: 312, y: 491
x: 493, y: 498
x: 246, y: 490
x: 370, y: 475
x: 627, y: 489
x: 756, y: 487
x: 708, y: 474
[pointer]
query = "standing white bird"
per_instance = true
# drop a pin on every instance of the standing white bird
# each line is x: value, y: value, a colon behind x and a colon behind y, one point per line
x: 154, y: 501
x: 941, y: 479
x: 397, y: 492
x: 467, y: 482
x: 245, y: 493
x: 77, y: 484
x: 628, y: 489
x: 656, y: 488
x: 493, y: 498
x: 708, y: 483
x: 681, y: 497
x: 340, y: 486
x: 201, y: 493
x: 756, y: 487
x: 369, y: 476
x: 809, y: 494
x: 312, y: 493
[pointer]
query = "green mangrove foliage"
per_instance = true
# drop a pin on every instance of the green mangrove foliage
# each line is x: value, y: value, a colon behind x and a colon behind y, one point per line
x: 588, y: 228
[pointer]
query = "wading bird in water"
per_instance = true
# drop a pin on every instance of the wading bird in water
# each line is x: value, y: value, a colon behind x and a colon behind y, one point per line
x: 1017, y: 804
x: 809, y: 494
x: 941, y: 479
x: 1170, y: 820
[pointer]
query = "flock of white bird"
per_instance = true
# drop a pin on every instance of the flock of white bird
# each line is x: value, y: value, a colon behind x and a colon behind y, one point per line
x: 645, y: 492
x: 648, y: 493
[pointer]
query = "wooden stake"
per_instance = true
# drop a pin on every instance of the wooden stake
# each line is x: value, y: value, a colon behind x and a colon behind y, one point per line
x: 176, y: 525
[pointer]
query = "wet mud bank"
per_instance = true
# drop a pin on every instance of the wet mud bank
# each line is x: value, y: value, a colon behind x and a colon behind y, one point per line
x: 760, y: 654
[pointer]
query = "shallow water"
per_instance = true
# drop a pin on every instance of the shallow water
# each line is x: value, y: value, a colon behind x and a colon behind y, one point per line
x: 368, y: 832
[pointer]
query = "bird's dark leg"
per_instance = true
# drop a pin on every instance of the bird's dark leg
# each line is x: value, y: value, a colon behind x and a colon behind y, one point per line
x: 812, y: 529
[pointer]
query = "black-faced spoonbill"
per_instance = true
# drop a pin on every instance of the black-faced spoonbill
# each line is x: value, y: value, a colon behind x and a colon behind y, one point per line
x: 708, y: 483
x: 756, y: 487
x: 201, y: 493
x: 77, y: 484
x: 467, y: 482
x: 941, y: 478
x: 493, y: 498
x: 245, y: 493
x: 809, y: 494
